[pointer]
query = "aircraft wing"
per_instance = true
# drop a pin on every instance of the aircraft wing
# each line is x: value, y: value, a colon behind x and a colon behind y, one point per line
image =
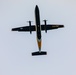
x: 24, y: 29
x: 51, y: 26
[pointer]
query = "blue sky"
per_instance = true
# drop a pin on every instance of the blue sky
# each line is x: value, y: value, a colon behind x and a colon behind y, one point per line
x: 60, y: 44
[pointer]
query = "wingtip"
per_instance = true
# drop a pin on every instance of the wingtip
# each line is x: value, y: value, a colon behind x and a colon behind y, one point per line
x: 61, y: 26
x: 14, y: 29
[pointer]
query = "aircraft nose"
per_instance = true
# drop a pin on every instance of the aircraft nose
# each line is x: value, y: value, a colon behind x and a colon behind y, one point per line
x: 36, y: 7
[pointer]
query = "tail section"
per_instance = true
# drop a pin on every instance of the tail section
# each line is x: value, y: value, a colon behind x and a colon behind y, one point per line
x: 39, y: 53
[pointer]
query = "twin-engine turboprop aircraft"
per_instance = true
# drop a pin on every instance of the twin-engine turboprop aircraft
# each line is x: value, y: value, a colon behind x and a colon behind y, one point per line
x: 38, y: 27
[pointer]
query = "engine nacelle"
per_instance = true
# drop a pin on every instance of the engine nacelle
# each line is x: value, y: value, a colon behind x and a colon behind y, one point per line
x: 45, y: 25
x: 30, y: 27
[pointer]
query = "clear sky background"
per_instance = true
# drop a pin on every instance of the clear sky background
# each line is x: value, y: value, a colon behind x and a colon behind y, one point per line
x: 60, y: 44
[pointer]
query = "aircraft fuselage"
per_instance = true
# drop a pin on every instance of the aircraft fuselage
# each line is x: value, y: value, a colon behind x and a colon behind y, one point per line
x: 38, y: 27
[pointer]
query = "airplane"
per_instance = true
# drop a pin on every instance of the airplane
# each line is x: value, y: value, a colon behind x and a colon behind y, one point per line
x: 38, y: 27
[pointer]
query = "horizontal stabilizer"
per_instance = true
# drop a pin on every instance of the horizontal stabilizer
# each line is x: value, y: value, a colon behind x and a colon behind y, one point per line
x: 39, y: 53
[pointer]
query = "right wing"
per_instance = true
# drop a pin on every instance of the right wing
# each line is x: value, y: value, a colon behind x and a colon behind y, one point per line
x: 24, y: 29
x: 51, y: 26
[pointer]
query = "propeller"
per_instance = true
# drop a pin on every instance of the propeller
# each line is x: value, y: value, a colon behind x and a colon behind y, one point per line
x: 29, y: 22
x: 45, y: 25
x: 30, y: 26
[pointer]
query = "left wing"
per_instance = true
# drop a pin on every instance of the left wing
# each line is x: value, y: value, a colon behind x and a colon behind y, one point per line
x: 24, y: 29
